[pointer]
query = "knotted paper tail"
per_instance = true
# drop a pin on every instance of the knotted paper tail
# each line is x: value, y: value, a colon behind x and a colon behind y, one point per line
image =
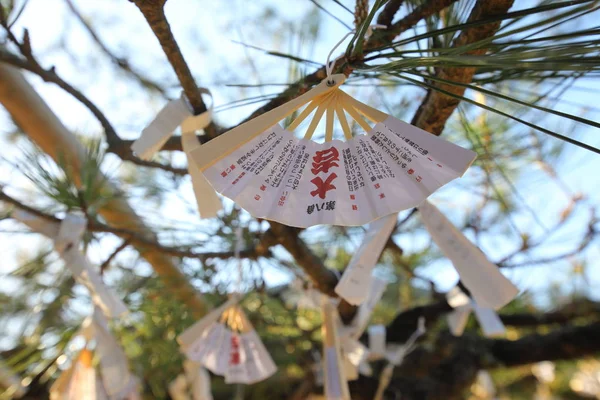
x: 356, y: 281
x: 155, y: 135
x: 488, y: 319
x: 67, y: 237
x: 487, y: 285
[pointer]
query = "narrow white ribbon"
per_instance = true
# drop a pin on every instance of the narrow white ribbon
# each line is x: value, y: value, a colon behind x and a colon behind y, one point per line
x: 355, y: 284
x: 179, y: 113
x: 377, y: 336
x: 336, y: 383
x: 365, y: 310
x: 67, y: 238
x: 114, y: 367
x: 488, y: 286
x: 488, y: 319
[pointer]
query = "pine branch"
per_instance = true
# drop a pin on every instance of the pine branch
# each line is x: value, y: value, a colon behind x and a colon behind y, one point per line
x: 436, y: 108
x: 36, y: 119
x: 261, y: 249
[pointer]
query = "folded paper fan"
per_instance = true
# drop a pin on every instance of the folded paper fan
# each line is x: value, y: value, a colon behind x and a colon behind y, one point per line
x: 67, y: 238
x: 356, y: 281
x: 225, y: 342
x: 488, y: 319
x: 274, y: 175
x: 487, y: 285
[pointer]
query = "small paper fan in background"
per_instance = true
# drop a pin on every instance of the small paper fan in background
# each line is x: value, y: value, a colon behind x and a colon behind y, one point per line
x: 225, y: 342
x: 274, y: 175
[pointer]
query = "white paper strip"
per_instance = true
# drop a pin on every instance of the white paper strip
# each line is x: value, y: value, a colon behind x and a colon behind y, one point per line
x: 354, y: 354
x: 67, y: 239
x: 155, y: 135
x: 113, y: 361
x: 377, y: 342
x: 365, y: 310
x: 488, y: 319
x: 356, y: 281
x: 336, y: 385
x: 487, y: 285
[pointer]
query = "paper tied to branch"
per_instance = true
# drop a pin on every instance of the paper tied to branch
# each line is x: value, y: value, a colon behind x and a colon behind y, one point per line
x: 357, y: 279
x: 354, y: 354
x: 114, y: 367
x: 487, y: 285
x: 225, y: 342
x: 179, y: 113
x: 488, y: 319
x: 336, y: 384
x: 67, y: 238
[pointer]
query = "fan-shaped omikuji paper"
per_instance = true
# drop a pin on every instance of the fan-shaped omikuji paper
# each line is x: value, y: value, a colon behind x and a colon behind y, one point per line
x: 336, y: 384
x: 356, y: 281
x: 225, y: 342
x: 488, y: 319
x: 179, y: 113
x: 274, y: 175
x: 67, y: 237
x: 487, y: 285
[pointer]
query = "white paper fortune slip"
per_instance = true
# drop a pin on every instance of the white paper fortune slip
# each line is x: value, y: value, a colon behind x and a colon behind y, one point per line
x: 356, y: 281
x: 487, y: 285
x: 274, y: 175
x: 114, y: 367
x: 336, y: 384
x: 155, y: 135
x: 67, y: 237
x: 225, y: 342
x: 488, y: 319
